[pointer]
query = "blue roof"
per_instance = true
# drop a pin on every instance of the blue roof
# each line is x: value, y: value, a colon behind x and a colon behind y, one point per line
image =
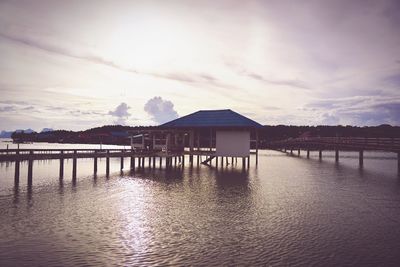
x: 213, y: 118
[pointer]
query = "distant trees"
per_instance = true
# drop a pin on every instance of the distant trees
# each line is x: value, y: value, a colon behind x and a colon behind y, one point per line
x: 116, y: 134
x: 283, y: 131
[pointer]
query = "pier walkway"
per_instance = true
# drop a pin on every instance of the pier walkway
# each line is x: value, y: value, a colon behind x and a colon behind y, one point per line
x: 138, y: 158
x: 320, y: 144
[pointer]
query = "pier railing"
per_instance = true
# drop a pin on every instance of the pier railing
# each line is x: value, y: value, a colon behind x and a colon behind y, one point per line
x: 341, y: 143
x: 320, y: 144
x: 43, y: 154
x: 171, y: 158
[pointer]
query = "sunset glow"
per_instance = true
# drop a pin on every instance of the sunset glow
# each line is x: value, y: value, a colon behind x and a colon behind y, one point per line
x: 66, y: 65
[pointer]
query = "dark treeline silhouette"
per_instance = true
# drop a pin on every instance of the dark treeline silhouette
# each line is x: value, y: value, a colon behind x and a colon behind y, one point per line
x: 117, y: 134
x: 280, y: 132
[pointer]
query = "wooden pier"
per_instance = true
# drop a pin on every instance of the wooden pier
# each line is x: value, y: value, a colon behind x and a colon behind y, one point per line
x: 138, y: 159
x: 337, y: 144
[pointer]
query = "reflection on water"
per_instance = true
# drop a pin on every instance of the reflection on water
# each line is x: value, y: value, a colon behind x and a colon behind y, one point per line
x: 287, y: 211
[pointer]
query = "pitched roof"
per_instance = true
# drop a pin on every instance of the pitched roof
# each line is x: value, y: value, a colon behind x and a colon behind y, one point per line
x: 213, y: 118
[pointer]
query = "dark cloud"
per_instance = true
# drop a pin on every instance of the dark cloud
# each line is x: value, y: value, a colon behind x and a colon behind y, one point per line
x: 56, y: 49
x: 187, y: 77
x: 393, y: 79
x: 336, y: 103
x: 363, y: 110
x: 78, y: 112
x: 382, y: 113
x: 18, y: 108
x: 13, y: 102
x: 160, y: 110
x: 291, y: 83
x: 207, y: 77
x: 54, y: 108
x: 8, y: 109
x: 121, y: 113
x: 391, y: 12
x: 270, y: 108
x: 242, y: 71
x: 178, y: 77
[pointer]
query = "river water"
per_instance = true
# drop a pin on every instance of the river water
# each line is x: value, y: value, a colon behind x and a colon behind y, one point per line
x: 287, y: 211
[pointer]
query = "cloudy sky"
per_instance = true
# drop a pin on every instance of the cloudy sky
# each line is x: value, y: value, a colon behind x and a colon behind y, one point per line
x: 81, y: 64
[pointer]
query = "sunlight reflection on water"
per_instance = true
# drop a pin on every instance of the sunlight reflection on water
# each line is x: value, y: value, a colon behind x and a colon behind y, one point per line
x: 287, y: 211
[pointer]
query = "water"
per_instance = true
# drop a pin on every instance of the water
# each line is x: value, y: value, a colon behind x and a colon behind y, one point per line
x: 288, y: 211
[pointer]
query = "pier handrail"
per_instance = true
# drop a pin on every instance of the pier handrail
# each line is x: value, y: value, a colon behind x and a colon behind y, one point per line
x: 358, y: 143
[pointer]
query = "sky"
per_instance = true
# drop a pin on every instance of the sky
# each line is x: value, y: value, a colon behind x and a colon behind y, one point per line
x: 82, y: 64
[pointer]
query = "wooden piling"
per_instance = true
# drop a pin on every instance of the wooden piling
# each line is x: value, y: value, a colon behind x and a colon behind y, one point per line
x: 61, y: 172
x: 337, y: 155
x: 95, y: 165
x: 74, y: 163
x: 361, y: 158
x: 160, y: 162
x: 198, y: 160
x: 30, y: 170
x: 320, y: 154
x: 308, y: 153
x: 257, y: 141
x: 16, y: 173
x: 398, y: 164
x: 216, y: 162
x: 122, y: 163
x: 108, y: 163
x: 298, y: 152
x: 132, y: 163
x: 243, y: 162
x: 154, y: 162
x: 248, y: 162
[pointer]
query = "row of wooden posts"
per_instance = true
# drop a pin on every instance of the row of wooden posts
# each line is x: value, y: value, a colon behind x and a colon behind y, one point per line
x: 360, y: 156
x: 170, y: 161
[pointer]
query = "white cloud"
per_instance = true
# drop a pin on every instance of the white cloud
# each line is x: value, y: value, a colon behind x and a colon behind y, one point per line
x: 243, y: 55
x: 121, y: 113
x: 160, y: 110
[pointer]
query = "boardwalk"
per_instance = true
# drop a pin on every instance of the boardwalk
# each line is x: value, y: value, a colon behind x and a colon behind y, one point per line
x: 337, y: 144
x: 138, y: 158
x: 45, y: 154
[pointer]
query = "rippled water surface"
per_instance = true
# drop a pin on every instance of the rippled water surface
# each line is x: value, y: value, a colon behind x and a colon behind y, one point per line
x: 287, y: 211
